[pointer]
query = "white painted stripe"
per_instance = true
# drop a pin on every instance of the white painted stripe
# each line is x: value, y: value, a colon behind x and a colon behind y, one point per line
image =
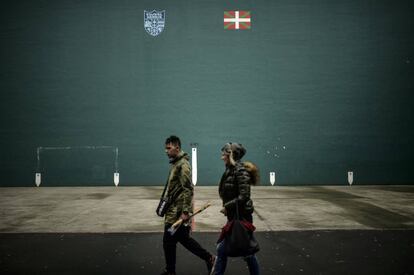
x: 234, y: 20
x: 194, y: 165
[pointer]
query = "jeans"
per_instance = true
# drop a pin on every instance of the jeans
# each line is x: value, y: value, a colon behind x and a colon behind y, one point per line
x: 182, y: 235
x: 221, y: 261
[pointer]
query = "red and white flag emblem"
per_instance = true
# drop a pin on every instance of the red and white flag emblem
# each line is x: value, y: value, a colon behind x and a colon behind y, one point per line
x: 237, y: 20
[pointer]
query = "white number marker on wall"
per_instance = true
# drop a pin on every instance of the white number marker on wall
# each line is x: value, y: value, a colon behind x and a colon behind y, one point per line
x: 350, y: 177
x: 272, y: 178
x: 194, y: 165
x: 38, y: 179
x: 116, y: 178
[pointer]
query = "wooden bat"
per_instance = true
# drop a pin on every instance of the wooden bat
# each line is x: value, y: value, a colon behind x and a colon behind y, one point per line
x: 177, y: 224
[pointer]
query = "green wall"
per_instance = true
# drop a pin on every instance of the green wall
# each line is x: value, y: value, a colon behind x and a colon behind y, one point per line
x: 316, y: 88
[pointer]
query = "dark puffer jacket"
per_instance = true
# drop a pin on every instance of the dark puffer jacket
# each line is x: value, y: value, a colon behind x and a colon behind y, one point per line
x: 234, y: 188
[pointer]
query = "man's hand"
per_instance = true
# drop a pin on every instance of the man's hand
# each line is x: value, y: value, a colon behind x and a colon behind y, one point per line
x: 224, y: 211
x: 184, y: 216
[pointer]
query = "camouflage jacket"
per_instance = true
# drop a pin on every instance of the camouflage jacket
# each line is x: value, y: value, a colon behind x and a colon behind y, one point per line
x: 180, y: 188
x: 234, y: 188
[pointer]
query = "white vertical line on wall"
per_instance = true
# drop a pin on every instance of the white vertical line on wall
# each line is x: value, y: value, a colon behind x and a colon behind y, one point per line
x: 116, y: 173
x: 194, y: 165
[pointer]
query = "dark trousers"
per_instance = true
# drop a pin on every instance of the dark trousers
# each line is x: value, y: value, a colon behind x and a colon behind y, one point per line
x: 182, y: 235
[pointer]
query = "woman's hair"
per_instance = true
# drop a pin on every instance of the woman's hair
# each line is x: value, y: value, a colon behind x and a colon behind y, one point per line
x: 235, y: 151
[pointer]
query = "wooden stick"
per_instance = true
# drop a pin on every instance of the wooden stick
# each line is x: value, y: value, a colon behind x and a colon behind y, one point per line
x: 201, y: 209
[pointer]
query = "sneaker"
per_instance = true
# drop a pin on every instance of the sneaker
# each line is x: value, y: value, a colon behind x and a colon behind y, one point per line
x: 210, y: 264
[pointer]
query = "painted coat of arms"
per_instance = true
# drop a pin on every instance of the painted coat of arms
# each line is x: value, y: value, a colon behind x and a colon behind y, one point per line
x: 154, y: 22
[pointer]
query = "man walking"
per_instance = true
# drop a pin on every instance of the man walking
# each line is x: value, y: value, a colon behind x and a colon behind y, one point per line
x: 180, y: 191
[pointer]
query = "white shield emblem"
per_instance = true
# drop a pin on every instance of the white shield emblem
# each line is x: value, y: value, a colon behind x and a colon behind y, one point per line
x: 154, y: 22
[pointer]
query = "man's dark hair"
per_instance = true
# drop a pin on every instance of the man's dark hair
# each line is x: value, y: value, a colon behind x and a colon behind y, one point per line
x: 174, y: 140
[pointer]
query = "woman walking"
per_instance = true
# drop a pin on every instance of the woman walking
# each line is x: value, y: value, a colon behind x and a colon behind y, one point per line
x: 234, y: 190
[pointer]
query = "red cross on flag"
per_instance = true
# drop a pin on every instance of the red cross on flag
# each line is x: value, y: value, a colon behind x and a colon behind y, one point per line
x: 237, y: 20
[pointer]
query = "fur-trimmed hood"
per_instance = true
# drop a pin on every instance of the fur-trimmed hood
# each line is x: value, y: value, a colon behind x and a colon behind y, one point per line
x: 253, y: 171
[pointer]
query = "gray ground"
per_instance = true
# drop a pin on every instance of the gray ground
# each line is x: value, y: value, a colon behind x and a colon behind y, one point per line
x: 132, y: 209
x: 301, y: 230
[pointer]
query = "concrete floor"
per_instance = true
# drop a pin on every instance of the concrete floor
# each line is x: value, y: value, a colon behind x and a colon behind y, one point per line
x: 131, y: 209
